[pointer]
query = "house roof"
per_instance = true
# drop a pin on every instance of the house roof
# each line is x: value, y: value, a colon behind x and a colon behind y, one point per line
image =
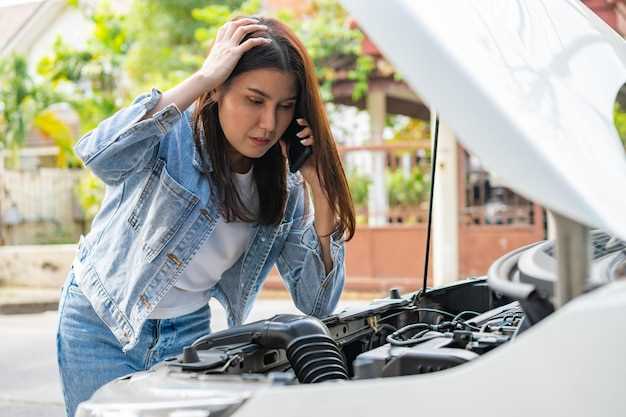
x: 22, y: 21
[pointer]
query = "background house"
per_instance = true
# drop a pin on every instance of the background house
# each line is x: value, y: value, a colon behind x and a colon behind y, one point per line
x: 36, y: 203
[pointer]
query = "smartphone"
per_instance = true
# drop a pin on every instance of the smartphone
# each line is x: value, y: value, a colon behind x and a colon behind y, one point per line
x: 297, y: 153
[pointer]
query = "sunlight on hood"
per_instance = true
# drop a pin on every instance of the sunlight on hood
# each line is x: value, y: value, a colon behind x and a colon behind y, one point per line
x: 528, y: 86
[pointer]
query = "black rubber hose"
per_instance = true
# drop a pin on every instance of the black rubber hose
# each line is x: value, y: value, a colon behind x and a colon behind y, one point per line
x: 312, y: 353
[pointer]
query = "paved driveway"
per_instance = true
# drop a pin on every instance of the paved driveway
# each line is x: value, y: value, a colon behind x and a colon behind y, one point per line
x: 29, y: 384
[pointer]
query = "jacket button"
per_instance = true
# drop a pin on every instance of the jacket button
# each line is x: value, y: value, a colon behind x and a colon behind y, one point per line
x: 174, y: 259
x: 145, y: 301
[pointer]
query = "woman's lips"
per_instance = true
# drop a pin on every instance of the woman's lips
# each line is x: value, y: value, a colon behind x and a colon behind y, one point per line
x: 260, y: 141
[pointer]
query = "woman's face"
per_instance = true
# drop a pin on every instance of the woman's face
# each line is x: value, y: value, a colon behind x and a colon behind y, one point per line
x: 254, y: 110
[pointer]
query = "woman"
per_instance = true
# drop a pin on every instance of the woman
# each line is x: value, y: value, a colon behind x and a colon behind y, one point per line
x: 199, y: 204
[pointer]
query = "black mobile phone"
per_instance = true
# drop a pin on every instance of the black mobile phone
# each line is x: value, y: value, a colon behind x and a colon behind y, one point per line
x: 297, y: 153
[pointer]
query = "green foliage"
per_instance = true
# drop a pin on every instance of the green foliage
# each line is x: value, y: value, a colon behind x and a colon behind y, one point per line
x: 619, y: 118
x: 215, y: 15
x: 16, y: 101
x: 64, y: 64
x: 93, y: 109
x: 91, y: 77
x: 163, y: 50
x: 88, y: 78
x: 360, y: 74
x: 20, y: 101
x: 54, y: 128
x: 332, y: 46
x: 402, y: 190
x: 170, y: 38
x: 89, y: 192
x: 359, y: 185
x: 410, y: 131
x: 110, y: 36
x: 160, y: 43
x: 406, y: 191
x: 155, y: 44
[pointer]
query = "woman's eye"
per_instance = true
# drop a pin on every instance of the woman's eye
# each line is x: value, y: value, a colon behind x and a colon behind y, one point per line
x: 255, y: 100
x: 287, y: 106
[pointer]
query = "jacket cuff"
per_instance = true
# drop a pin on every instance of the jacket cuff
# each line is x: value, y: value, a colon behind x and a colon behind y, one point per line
x: 336, y: 255
x: 164, y: 118
x: 149, y: 100
x: 112, y: 132
x: 310, y: 240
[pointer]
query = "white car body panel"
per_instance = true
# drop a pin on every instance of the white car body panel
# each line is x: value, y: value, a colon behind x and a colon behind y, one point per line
x: 528, y: 86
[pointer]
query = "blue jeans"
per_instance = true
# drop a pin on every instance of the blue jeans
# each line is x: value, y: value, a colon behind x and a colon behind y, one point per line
x: 89, y: 356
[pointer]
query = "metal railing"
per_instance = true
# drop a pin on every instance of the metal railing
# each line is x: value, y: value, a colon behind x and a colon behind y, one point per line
x: 486, y: 202
x: 483, y: 202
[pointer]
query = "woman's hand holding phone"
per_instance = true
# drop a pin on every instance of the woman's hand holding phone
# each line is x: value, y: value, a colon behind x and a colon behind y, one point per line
x: 324, y: 216
x: 297, y: 145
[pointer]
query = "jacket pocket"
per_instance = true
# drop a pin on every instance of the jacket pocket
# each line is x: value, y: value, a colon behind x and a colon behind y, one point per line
x: 160, y: 210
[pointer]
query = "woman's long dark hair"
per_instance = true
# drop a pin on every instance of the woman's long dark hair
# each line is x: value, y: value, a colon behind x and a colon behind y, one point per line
x: 285, y: 53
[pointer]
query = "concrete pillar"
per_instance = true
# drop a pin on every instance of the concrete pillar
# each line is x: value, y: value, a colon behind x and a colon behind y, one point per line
x: 573, y: 254
x: 377, y: 200
x: 445, y: 226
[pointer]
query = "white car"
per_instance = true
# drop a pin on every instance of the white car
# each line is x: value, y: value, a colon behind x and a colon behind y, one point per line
x: 529, y: 87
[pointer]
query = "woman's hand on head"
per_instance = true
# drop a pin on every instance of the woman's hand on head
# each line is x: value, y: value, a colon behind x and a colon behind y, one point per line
x: 228, y: 49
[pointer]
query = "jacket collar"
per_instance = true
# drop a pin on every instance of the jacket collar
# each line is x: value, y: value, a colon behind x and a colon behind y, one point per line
x: 197, y: 162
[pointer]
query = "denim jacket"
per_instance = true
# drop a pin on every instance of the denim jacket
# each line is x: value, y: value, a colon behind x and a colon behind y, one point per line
x: 158, y: 210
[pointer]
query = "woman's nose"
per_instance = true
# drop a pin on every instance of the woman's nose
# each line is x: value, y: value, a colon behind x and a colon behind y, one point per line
x: 268, y: 121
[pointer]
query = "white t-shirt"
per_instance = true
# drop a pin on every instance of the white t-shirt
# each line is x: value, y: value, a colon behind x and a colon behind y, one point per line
x: 226, y: 244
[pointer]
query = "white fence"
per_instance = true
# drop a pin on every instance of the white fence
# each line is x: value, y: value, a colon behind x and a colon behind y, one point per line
x: 39, y: 206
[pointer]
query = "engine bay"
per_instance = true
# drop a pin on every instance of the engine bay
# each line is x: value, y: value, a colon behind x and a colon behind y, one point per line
x: 416, y: 333
x: 419, y: 333
x: 399, y: 335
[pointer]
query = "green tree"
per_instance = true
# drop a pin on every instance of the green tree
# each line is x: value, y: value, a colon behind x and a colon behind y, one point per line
x: 20, y: 101
x: 91, y: 78
x: 89, y: 192
x: 359, y: 184
x: 61, y: 135
x: 336, y: 49
x: 619, y: 119
x: 405, y: 190
x: 170, y: 38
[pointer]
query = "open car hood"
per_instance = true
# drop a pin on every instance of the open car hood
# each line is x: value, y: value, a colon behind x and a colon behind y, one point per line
x: 527, y: 86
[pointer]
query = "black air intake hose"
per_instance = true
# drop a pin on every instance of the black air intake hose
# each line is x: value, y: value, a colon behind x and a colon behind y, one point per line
x: 312, y: 353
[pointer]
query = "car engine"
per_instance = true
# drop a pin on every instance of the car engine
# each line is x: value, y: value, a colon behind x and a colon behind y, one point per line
x: 390, y: 337
x: 418, y: 333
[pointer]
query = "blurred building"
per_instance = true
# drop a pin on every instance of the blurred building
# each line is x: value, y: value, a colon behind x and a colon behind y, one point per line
x: 613, y: 12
